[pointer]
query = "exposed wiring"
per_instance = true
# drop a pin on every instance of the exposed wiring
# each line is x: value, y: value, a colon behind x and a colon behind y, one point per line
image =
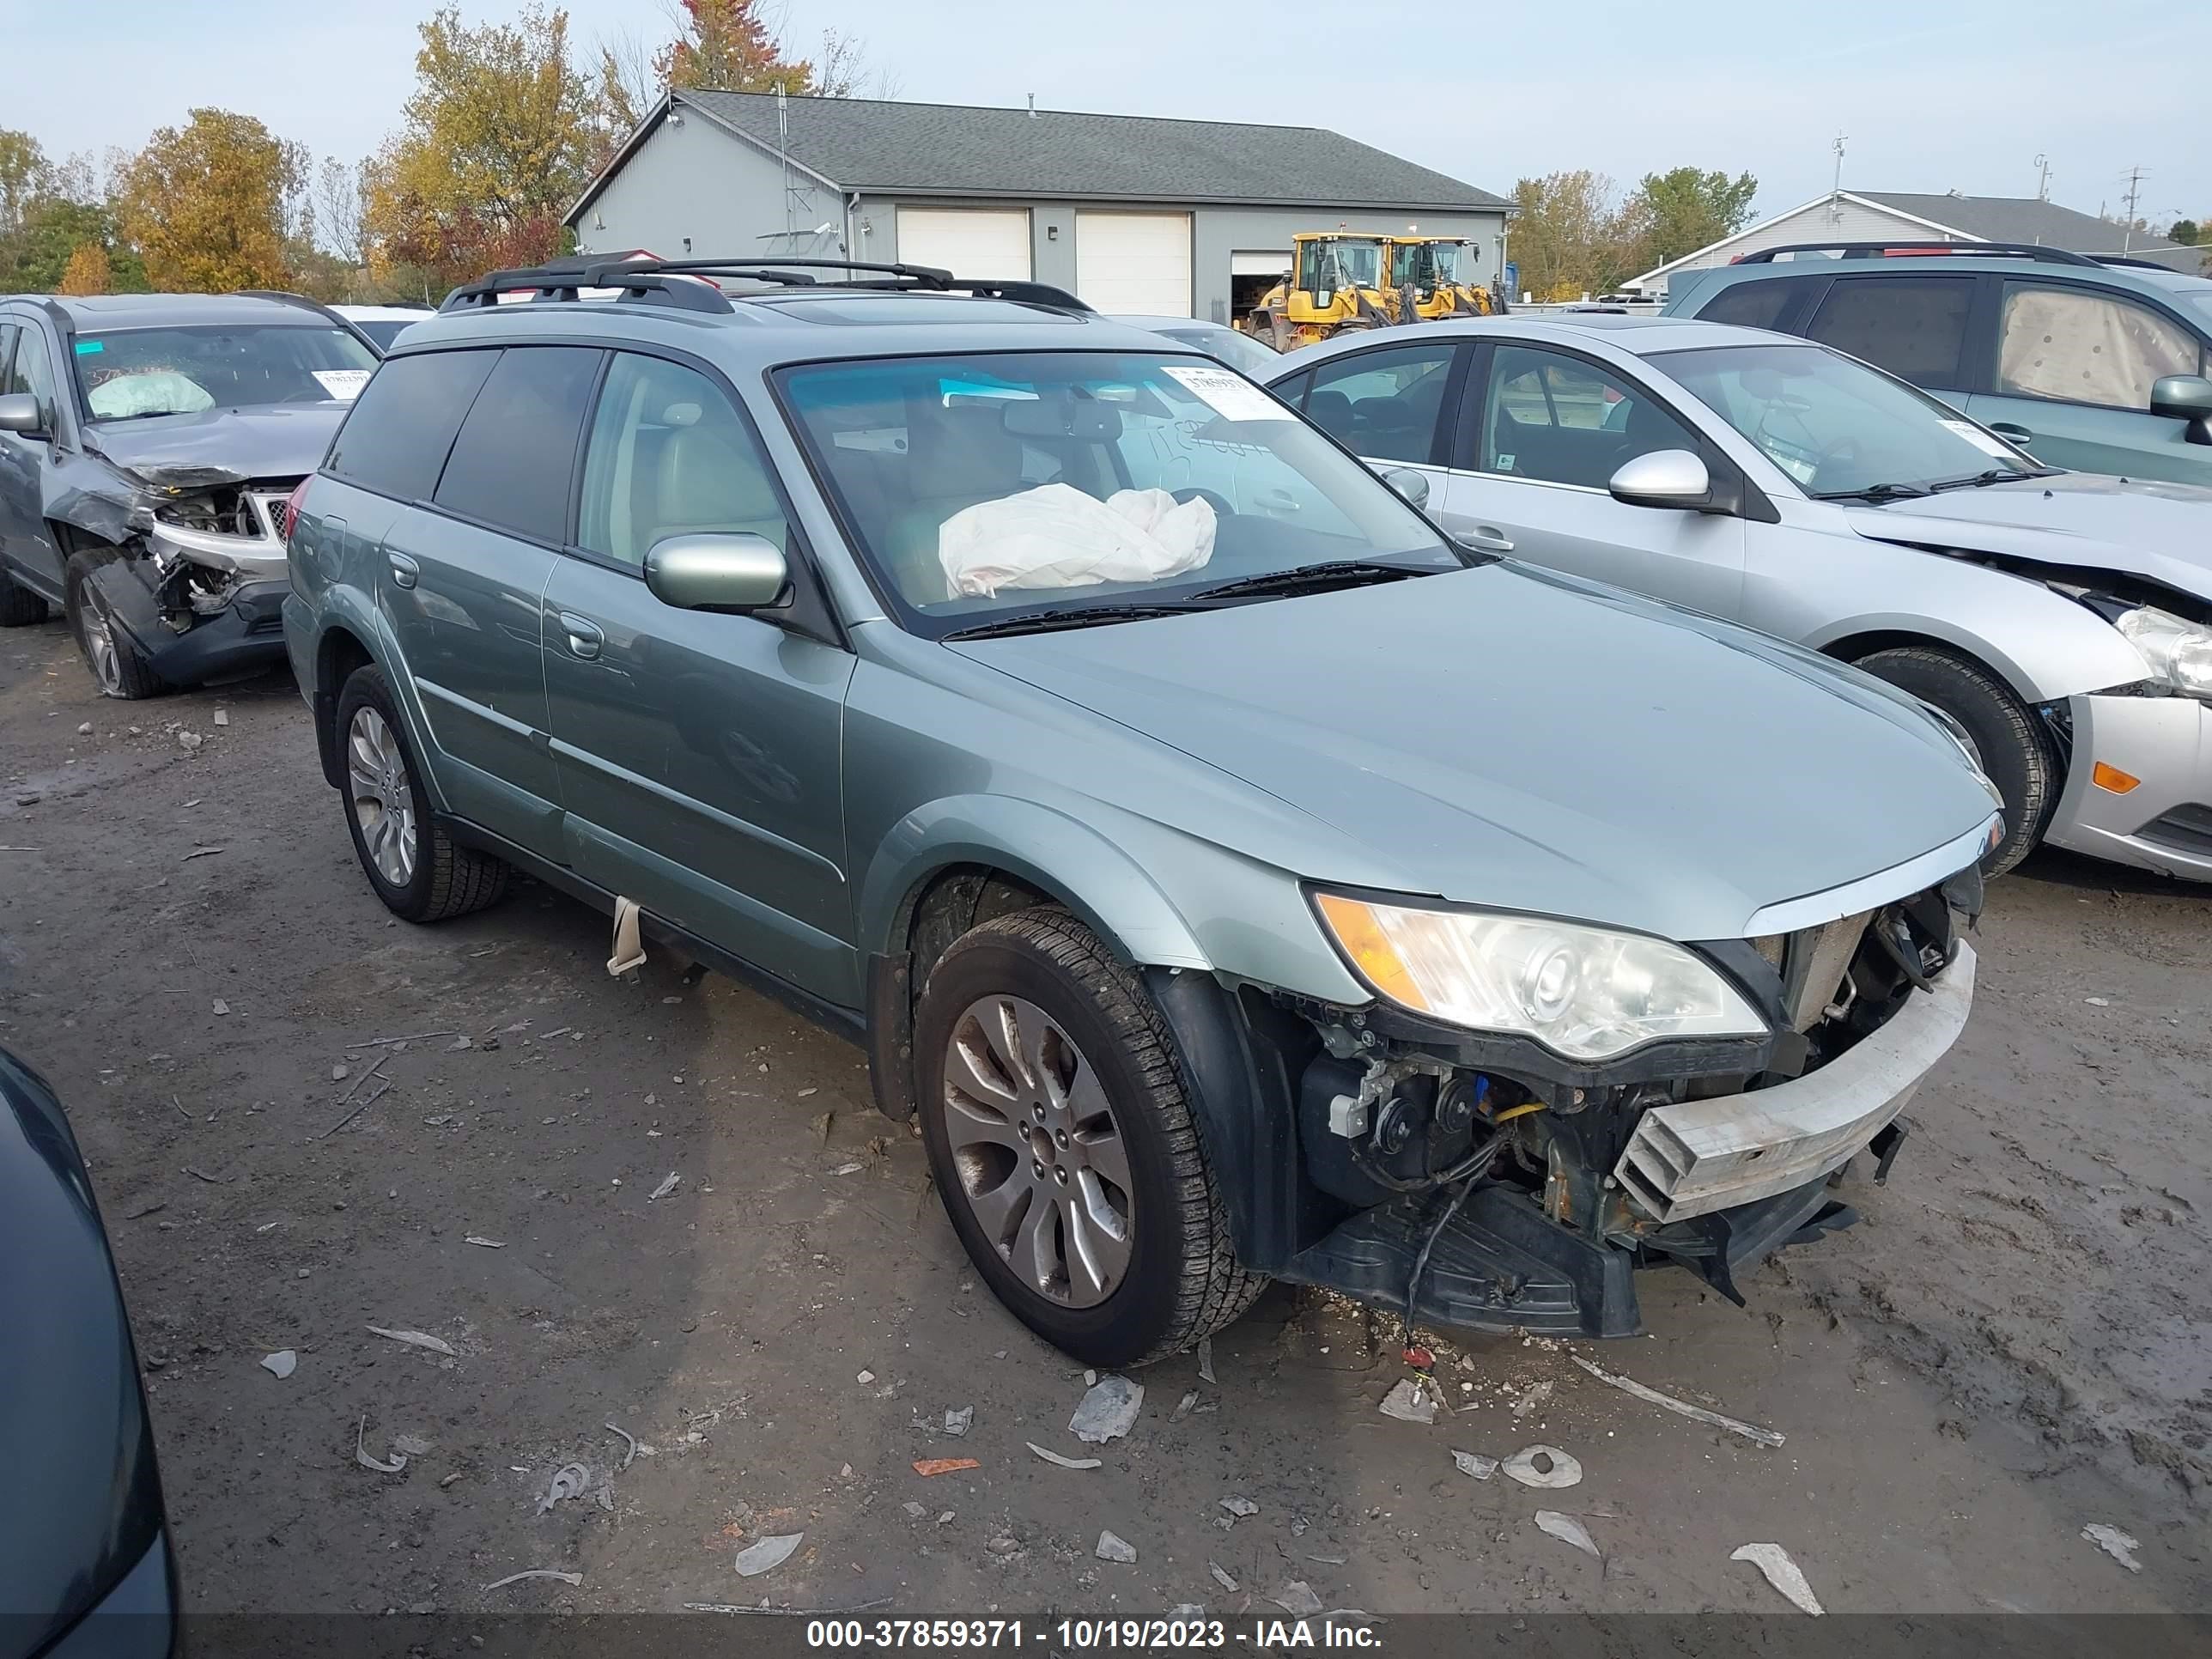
x: 1421, y: 1261
x: 1522, y: 1110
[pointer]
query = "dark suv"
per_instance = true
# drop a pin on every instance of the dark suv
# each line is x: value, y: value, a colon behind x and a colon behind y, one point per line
x: 2094, y: 364
x: 148, y: 443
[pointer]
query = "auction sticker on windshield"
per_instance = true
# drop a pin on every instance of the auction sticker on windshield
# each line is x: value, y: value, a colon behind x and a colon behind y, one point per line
x: 343, y: 384
x: 1980, y: 439
x: 1227, y: 395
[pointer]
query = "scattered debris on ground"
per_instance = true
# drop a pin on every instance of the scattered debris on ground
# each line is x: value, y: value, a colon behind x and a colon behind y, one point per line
x: 767, y: 1555
x: 1240, y: 1507
x: 569, y: 1481
x: 956, y: 1421
x: 1781, y: 1572
x: 1114, y: 1548
x: 1409, y: 1402
x: 1297, y: 1599
x: 1206, y: 1360
x: 360, y: 1452
x: 534, y: 1573
x: 1107, y: 1412
x: 2120, y: 1546
x: 928, y: 1467
x: 668, y: 1184
x: 417, y: 1339
x: 1480, y: 1467
x: 1221, y: 1577
x: 1568, y: 1530
x: 1064, y: 1462
x: 1667, y: 1402
x: 280, y: 1365
x: 1546, y: 1467
x: 629, y: 1444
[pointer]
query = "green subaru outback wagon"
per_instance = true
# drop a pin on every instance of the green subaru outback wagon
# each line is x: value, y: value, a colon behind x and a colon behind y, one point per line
x: 1237, y: 878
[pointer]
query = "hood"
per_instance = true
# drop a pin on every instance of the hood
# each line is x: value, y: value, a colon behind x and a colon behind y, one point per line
x: 2159, y: 532
x: 221, y: 445
x: 73, y: 1425
x: 1503, y: 735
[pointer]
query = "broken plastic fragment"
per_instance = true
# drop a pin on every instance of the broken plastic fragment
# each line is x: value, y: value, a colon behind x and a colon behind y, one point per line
x: 1409, y: 1402
x: 1562, y: 1469
x: 767, y: 1555
x: 1568, y: 1530
x: 1681, y: 1408
x: 1064, y: 1462
x: 1206, y: 1359
x: 1107, y: 1412
x: 1112, y: 1547
x: 1480, y: 1467
x: 1298, y: 1600
x: 568, y: 1481
x: 667, y: 1185
x: 629, y: 1441
x: 629, y: 952
x: 535, y: 1572
x: 1221, y: 1577
x: 2120, y: 1546
x: 956, y: 1422
x: 1240, y: 1507
x: 417, y: 1339
x: 1781, y: 1572
x: 926, y: 1467
x: 360, y: 1453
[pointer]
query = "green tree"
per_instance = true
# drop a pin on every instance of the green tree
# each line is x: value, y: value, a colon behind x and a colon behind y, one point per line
x: 24, y: 177
x: 1571, y: 236
x: 1685, y: 209
x: 2186, y: 232
x: 501, y: 133
x: 36, y: 256
x: 211, y: 205
x: 726, y: 45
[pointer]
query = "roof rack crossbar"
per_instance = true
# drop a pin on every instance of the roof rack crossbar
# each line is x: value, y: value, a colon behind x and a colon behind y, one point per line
x: 649, y: 279
x: 927, y: 276
x: 2056, y: 256
x: 565, y: 282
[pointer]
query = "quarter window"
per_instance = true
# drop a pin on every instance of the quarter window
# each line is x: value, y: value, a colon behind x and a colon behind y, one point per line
x: 1383, y: 404
x: 396, y: 437
x: 669, y: 456
x: 515, y: 457
x: 1748, y: 305
x: 1560, y: 420
x: 2087, y: 347
x: 1913, y: 326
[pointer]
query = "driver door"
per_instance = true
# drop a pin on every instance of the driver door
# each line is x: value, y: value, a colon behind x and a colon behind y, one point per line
x: 1530, y: 474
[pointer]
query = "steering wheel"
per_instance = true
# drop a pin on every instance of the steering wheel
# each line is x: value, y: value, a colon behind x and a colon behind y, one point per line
x: 1219, y: 503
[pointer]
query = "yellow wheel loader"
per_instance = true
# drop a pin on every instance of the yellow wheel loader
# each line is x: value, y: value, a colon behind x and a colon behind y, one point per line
x: 1343, y: 280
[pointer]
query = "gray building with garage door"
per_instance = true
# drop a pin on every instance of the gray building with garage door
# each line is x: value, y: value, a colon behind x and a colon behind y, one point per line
x: 1131, y: 212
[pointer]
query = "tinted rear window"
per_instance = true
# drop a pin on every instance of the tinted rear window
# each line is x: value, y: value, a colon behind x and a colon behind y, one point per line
x: 1748, y: 305
x: 515, y: 457
x: 1913, y: 326
x: 396, y: 439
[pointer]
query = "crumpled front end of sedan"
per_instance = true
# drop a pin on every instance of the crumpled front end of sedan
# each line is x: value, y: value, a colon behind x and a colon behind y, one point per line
x: 1515, y: 1178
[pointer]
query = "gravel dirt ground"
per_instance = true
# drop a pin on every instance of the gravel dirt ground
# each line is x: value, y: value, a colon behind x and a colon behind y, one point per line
x: 2012, y: 1345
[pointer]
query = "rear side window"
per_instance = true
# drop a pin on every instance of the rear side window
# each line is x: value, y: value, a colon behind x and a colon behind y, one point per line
x: 516, y: 454
x: 1913, y: 326
x: 396, y: 438
x: 1748, y: 305
x: 2084, y: 347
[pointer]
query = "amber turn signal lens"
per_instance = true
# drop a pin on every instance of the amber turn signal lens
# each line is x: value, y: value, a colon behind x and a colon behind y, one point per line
x: 2111, y: 778
x: 1361, y: 937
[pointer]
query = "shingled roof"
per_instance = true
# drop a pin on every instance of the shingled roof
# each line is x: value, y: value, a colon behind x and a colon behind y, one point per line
x: 2020, y: 219
x: 951, y: 150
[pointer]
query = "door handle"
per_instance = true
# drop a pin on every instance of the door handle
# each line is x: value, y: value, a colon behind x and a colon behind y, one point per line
x: 404, y: 570
x: 1485, y: 539
x: 584, y: 638
x: 2019, y: 435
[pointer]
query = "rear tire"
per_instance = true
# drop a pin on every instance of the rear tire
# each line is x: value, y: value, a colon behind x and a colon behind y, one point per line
x: 1037, y: 1172
x: 2010, y: 741
x: 419, y: 871
x: 118, y: 667
x: 19, y: 606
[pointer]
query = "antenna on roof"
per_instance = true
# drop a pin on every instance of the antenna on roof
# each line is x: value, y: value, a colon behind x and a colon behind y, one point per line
x: 2042, y: 177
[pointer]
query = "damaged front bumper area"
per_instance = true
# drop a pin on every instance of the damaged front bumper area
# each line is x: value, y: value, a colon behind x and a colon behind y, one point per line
x: 214, y: 572
x: 1479, y: 1181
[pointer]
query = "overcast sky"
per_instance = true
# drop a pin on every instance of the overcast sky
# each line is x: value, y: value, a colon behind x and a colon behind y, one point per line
x: 1935, y: 94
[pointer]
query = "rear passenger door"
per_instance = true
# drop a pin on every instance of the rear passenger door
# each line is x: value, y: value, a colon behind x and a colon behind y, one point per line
x: 1916, y: 327
x: 461, y: 573
x: 2074, y: 369
x: 699, y: 753
x: 1533, y: 469
x: 1391, y: 405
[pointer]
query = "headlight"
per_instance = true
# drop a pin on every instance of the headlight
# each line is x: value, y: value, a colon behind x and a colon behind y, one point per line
x: 1581, y: 992
x: 2179, y: 652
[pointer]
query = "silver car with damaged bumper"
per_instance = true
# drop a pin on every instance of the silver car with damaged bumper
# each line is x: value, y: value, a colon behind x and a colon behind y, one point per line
x: 2063, y: 620
x: 1288, y: 892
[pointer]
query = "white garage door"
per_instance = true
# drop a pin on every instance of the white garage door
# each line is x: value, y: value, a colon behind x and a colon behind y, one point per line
x: 973, y: 242
x: 1135, y: 263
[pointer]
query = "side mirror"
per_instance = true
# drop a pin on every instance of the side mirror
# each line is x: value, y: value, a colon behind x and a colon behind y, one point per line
x: 717, y: 572
x: 1413, y: 486
x: 19, y: 412
x: 1666, y: 477
x: 2178, y: 396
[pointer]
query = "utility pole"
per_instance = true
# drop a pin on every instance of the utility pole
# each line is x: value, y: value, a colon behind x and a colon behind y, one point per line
x: 2043, y: 178
x: 1836, y: 189
x: 2135, y: 189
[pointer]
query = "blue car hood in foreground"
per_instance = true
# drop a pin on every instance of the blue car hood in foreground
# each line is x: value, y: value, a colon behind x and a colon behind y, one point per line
x: 1503, y: 736
x: 84, y: 1504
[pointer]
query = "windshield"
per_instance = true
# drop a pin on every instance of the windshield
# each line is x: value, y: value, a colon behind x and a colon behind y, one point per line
x: 384, y: 330
x: 980, y: 487
x: 1326, y: 266
x: 2199, y: 299
x: 134, y: 373
x: 1837, y: 427
x: 1254, y: 358
x: 1428, y: 265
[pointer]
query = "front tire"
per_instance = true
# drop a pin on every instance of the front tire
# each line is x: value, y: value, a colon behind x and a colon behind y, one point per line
x: 419, y: 871
x: 2008, y: 740
x: 1063, y: 1145
x: 118, y: 667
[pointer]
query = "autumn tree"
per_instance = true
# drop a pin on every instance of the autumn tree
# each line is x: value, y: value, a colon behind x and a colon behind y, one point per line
x: 726, y: 46
x: 1683, y: 209
x: 211, y: 205
x: 1571, y: 236
x: 500, y: 134
x: 86, y: 272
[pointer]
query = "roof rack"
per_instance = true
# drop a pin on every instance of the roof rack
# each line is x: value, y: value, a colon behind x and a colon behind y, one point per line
x: 2056, y: 256
x: 284, y: 296
x: 2133, y: 264
x: 645, y: 280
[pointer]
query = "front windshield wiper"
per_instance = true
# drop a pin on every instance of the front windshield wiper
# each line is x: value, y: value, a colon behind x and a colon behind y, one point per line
x: 1047, y: 621
x: 1314, y: 578
x: 1881, y: 492
x: 1994, y: 475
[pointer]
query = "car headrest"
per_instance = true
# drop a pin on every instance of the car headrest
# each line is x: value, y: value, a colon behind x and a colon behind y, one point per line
x: 963, y: 450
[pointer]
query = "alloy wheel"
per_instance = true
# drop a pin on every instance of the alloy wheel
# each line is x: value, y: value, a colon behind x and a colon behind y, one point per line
x: 382, y: 793
x: 100, y: 648
x: 1040, y: 1161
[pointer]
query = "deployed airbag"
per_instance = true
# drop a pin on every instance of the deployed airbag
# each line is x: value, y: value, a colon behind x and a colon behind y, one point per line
x: 1055, y: 536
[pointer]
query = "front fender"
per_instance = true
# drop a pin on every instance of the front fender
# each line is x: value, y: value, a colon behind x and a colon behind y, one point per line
x: 347, y: 609
x: 2044, y: 644
x: 1047, y: 849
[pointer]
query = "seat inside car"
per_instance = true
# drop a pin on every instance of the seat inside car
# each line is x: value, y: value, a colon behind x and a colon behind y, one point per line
x: 706, y: 481
x: 955, y: 458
